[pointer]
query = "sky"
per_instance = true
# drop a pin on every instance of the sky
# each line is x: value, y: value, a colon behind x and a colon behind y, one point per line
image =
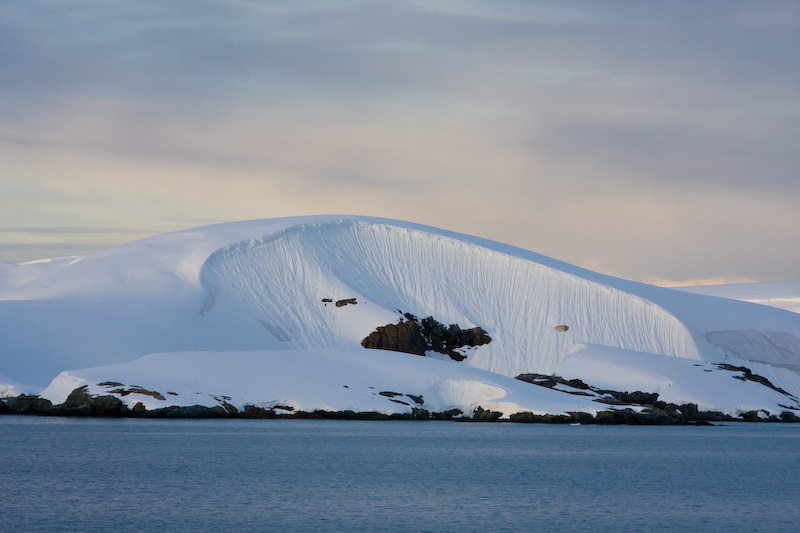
x: 655, y: 141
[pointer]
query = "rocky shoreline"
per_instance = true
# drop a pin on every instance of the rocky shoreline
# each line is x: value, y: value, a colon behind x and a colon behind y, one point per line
x: 81, y: 404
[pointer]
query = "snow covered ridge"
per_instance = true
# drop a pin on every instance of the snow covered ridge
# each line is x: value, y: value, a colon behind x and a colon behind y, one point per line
x: 278, y: 313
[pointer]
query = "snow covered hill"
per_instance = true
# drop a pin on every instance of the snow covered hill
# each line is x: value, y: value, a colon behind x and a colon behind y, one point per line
x: 236, y: 310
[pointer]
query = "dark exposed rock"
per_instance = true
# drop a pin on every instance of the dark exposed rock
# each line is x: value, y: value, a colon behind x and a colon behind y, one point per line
x: 81, y: 403
x: 420, y: 414
x: 447, y: 415
x: 610, y: 400
x: 448, y: 339
x: 230, y: 409
x: 483, y: 415
x: 187, y: 411
x: 417, y: 399
x: 750, y: 416
x: 405, y: 336
x: 411, y: 335
x: 551, y: 381
x: 577, y: 384
x: 251, y: 411
x: 326, y: 300
x: 631, y: 417
x: 629, y: 398
x: 25, y: 405
x: 137, y: 390
x: 542, y: 380
x: 107, y: 406
x: 527, y: 417
x: 749, y: 376
x: 346, y: 301
x: 654, y: 412
x: 78, y: 398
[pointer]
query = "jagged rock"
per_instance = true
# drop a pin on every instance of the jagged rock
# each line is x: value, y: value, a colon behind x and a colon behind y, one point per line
x: 417, y: 398
x: 410, y: 335
x: 749, y: 376
x: 78, y: 398
x: 404, y: 336
x: 448, y: 339
x: 81, y: 403
x: 346, y: 301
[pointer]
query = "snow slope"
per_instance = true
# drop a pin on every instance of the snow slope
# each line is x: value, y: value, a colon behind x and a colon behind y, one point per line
x: 678, y: 380
x: 308, y: 380
x: 258, y: 287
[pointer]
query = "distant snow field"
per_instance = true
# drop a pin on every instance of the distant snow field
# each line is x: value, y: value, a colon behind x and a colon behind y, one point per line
x: 782, y: 294
x: 276, y: 313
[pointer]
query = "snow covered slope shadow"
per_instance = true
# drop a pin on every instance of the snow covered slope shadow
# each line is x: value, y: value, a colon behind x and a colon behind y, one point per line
x: 321, y: 284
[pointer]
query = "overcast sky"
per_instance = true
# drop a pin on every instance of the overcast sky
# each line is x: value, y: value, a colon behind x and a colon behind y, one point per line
x: 657, y: 141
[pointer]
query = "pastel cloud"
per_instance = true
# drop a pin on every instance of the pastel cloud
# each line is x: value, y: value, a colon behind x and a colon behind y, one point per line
x: 641, y: 140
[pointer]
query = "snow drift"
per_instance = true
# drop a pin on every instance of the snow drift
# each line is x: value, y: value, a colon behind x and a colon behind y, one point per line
x: 270, y: 287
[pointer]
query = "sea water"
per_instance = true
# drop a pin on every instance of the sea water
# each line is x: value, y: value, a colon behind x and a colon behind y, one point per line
x: 70, y: 474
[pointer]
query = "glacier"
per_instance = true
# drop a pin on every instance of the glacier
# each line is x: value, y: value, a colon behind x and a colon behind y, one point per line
x: 245, y: 311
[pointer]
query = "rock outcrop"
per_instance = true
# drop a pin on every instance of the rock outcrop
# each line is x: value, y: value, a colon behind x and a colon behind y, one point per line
x: 24, y: 405
x: 405, y: 336
x: 81, y: 403
x: 411, y: 335
x: 449, y: 339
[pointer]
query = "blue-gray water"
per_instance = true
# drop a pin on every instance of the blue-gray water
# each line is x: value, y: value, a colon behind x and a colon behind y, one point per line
x: 60, y: 474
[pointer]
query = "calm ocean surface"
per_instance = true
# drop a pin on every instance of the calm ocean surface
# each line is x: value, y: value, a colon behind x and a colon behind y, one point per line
x: 61, y: 474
